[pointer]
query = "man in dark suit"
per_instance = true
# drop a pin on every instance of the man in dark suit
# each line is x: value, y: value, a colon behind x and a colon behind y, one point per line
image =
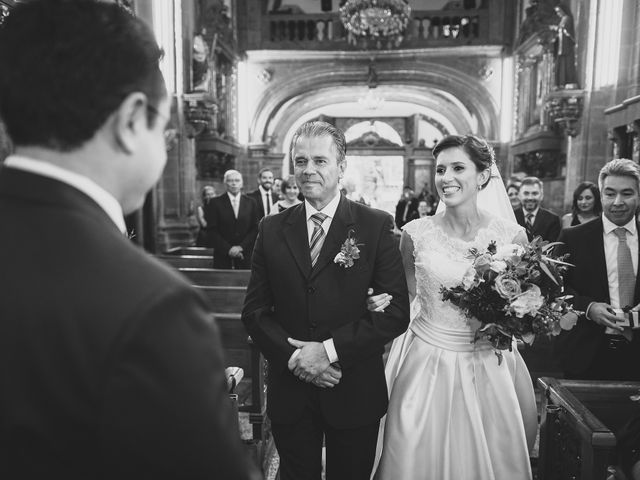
x: 306, y: 310
x: 232, y: 223
x: 605, y: 254
x: 264, y: 196
x: 536, y: 220
x: 110, y: 363
x: 406, y: 208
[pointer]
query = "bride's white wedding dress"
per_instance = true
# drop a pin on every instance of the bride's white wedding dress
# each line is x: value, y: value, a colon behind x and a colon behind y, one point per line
x: 454, y: 413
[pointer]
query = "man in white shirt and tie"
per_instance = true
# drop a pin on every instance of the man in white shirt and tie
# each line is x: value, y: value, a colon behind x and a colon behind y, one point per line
x: 264, y: 196
x: 605, y: 254
x: 232, y: 224
x: 536, y: 220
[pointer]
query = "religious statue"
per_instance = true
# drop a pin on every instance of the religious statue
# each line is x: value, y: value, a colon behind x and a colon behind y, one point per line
x: 201, y: 73
x: 565, y: 50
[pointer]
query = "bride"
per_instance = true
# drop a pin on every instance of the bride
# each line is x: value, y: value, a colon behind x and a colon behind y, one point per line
x: 454, y: 411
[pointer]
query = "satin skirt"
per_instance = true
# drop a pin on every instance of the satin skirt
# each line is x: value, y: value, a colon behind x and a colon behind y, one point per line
x: 454, y: 413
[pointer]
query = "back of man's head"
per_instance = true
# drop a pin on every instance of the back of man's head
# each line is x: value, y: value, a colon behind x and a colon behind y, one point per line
x: 66, y: 65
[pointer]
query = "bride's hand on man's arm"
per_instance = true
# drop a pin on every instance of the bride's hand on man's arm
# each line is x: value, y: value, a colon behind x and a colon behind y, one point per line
x: 377, y: 303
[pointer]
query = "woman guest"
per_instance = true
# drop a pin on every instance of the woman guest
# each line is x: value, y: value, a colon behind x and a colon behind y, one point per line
x: 424, y: 210
x: 208, y: 192
x: 586, y: 205
x: 290, y: 192
x: 512, y: 190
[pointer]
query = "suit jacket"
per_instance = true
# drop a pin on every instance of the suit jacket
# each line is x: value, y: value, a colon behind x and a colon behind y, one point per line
x: 287, y: 298
x: 576, y: 349
x: 111, y: 363
x: 225, y: 230
x: 413, y: 207
x: 257, y: 197
x: 546, y: 224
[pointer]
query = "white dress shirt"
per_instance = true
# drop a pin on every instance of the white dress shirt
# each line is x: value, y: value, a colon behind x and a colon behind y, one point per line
x: 235, y: 203
x: 104, y: 199
x: 330, y: 211
x: 611, y: 254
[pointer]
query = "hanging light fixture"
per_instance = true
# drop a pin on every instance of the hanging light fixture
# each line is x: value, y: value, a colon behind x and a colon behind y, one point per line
x: 376, y: 23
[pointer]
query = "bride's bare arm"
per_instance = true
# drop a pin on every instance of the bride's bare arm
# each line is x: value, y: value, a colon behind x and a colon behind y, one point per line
x: 377, y: 303
x: 406, y: 251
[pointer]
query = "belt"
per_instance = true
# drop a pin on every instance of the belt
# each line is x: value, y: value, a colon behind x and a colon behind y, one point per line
x: 616, y: 342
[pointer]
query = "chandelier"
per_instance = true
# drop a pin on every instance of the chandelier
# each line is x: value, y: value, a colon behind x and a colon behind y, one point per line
x: 379, y: 23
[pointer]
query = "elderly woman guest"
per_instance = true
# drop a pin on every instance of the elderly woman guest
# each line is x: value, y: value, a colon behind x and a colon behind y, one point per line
x: 290, y: 193
x: 586, y: 205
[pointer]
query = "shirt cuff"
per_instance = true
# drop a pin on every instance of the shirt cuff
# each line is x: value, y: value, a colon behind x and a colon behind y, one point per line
x: 330, y: 348
x: 586, y: 312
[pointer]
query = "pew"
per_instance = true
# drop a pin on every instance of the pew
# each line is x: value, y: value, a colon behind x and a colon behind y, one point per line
x: 578, y: 423
x: 198, y: 251
x: 216, y: 277
x: 187, y: 261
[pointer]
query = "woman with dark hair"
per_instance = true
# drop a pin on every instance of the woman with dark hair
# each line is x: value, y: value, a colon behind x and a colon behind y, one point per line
x: 447, y: 393
x: 586, y: 205
x: 512, y: 190
x: 290, y: 192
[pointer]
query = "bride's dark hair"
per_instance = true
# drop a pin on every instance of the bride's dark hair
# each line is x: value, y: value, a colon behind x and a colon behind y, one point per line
x: 477, y: 148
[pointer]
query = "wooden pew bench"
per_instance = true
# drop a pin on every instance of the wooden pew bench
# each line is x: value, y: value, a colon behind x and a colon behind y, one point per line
x: 187, y: 261
x: 215, y: 277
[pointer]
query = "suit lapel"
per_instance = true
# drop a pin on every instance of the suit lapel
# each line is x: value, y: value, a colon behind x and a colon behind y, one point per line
x: 600, y: 261
x: 636, y: 293
x: 340, y: 225
x: 296, y: 237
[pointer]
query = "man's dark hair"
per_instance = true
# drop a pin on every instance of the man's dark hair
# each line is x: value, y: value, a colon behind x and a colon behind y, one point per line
x: 66, y: 65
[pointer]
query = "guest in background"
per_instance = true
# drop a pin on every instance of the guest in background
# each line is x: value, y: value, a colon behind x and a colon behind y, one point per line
x: 406, y: 207
x: 264, y: 196
x: 277, y: 187
x: 112, y: 366
x: 208, y: 192
x: 536, y: 220
x: 430, y: 198
x: 604, y: 253
x: 586, y: 205
x: 290, y: 192
x: 232, y: 224
x: 513, y: 189
x: 424, y: 210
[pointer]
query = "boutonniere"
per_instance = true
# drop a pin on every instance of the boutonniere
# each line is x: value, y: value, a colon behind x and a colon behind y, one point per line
x: 349, y: 252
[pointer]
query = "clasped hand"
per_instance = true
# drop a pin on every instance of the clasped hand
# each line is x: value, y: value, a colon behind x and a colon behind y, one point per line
x: 602, y: 314
x: 310, y: 364
x: 236, y: 252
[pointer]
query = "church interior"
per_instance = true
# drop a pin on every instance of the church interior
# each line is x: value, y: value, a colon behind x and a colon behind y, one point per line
x: 553, y: 85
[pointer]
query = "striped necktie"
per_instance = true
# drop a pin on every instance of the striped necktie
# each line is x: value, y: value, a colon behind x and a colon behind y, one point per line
x: 529, y: 225
x: 317, y: 237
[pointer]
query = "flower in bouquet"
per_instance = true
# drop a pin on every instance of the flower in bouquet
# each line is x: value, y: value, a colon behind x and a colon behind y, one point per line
x: 514, y: 291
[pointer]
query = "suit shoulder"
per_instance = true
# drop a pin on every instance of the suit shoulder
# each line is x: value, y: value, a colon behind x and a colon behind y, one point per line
x: 373, y: 214
x: 549, y: 213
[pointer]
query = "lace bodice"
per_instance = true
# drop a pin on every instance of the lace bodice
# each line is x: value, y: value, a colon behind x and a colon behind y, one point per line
x: 440, y: 260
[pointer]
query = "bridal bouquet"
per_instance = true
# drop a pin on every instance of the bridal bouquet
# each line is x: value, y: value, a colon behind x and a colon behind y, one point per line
x: 514, y: 291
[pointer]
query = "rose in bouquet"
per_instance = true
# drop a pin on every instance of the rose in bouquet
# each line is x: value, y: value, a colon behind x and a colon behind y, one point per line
x: 514, y: 291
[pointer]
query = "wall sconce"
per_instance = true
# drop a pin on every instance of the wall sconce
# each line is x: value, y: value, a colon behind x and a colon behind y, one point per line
x: 565, y: 109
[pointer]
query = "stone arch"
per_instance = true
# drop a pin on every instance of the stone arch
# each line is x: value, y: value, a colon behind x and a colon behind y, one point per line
x: 431, y: 86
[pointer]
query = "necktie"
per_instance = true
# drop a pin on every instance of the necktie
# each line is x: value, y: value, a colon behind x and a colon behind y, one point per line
x: 267, y: 202
x: 406, y: 211
x: 317, y: 237
x: 626, y: 275
x: 529, y: 225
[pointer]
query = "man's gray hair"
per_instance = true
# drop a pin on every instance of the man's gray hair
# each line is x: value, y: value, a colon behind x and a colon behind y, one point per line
x: 620, y: 167
x: 316, y: 128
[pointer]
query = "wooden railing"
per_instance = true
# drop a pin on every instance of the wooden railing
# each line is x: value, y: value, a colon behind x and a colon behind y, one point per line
x: 427, y: 28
